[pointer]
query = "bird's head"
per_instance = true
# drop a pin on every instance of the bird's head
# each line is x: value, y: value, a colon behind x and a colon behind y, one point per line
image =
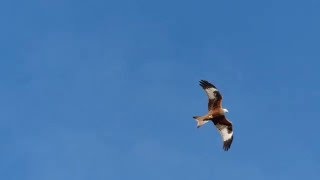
x: 225, y: 110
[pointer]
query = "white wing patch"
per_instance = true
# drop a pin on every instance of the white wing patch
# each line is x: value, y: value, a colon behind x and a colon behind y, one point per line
x: 210, y: 92
x: 223, y: 130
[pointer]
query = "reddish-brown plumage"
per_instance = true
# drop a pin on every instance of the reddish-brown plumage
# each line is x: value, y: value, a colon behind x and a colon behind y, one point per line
x: 216, y: 114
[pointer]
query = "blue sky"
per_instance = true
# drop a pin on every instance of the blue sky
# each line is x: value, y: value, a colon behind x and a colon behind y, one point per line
x: 107, y: 89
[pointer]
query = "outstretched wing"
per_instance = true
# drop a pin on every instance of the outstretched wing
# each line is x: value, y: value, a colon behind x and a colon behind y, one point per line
x: 225, y: 129
x: 215, y: 98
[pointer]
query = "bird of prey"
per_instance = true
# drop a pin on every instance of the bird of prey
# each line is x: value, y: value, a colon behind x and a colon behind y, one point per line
x: 216, y: 114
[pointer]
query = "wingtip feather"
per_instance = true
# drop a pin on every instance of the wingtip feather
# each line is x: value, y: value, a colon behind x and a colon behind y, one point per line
x: 227, y: 144
x: 206, y: 84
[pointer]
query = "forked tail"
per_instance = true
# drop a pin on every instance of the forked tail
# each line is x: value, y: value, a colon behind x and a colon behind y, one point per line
x: 200, y: 121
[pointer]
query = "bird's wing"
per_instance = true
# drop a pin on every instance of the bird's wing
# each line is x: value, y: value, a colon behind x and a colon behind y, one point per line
x: 225, y: 129
x: 215, y: 97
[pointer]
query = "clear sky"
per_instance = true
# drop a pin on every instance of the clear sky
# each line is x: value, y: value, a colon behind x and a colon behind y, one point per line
x: 106, y: 90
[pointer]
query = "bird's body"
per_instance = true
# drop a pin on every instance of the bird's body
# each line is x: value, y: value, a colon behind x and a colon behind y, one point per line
x: 216, y: 114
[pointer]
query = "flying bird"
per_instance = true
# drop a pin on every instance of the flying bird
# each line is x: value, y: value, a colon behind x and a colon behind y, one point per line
x: 216, y: 114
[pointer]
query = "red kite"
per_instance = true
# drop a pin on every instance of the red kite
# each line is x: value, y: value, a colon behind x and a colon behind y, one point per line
x: 216, y: 114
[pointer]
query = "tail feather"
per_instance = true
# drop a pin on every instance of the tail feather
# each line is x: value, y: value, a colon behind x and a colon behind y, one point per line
x: 200, y: 121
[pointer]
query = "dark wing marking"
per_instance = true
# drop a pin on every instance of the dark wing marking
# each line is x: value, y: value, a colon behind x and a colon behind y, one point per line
x: 215, y: 97
x: 225, y: 129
